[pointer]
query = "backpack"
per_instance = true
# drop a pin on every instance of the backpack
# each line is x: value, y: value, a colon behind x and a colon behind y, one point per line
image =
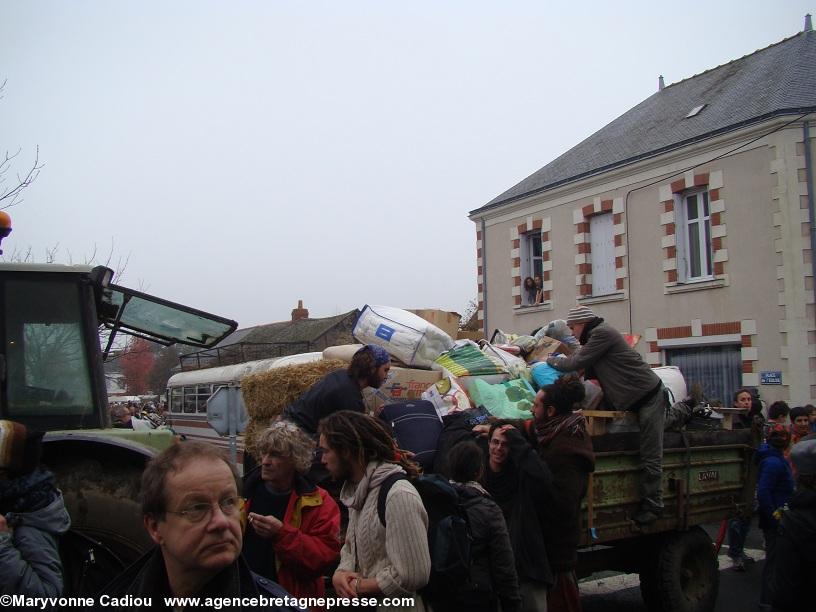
x: 449, y: 537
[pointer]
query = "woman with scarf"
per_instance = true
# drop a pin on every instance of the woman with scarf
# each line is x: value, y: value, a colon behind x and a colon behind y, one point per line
x: 493, y: 578
x: 32, y: 515
x: 519, y: 482
x: 566, y: 448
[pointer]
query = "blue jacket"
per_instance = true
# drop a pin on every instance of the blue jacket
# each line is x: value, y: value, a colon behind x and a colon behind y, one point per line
x: 29, y: 557
x: 775, y: 485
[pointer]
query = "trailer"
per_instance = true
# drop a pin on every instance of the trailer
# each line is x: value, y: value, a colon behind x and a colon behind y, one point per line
x: 708, y: 477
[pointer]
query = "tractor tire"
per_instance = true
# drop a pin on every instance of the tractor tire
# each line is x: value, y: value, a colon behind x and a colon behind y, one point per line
x: 102, y: 501
x: 685, y: 576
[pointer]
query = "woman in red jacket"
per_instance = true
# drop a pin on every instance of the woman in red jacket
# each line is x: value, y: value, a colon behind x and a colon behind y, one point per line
x: 293, y: 528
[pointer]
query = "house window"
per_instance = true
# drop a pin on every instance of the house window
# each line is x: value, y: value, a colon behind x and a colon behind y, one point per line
x: 603, y: 254
x: 717, y: 370
x: 531, y: 263
x: 694, y: 239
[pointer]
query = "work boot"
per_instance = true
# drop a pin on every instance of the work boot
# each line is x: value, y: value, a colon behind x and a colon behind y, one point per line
x: 647, y: 516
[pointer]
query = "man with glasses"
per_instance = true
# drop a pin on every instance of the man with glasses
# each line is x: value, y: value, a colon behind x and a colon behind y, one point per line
x: 191, y: 505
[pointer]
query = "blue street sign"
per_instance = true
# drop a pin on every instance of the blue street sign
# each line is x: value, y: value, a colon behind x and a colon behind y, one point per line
x: 770, y: 378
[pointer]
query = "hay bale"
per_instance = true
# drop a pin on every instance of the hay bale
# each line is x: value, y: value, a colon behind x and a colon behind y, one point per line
x: 266, y: 394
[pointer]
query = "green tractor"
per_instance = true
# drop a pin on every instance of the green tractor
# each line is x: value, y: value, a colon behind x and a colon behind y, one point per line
x: 52, y: 379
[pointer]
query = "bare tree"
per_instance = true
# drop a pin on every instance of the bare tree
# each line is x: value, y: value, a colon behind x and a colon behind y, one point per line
x: 11, y: 194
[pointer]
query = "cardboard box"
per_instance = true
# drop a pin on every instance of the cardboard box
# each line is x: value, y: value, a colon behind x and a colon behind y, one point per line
x: 448, y: 322
x: 403, y: 384
x: 470, y: 335
x: 545, y: 347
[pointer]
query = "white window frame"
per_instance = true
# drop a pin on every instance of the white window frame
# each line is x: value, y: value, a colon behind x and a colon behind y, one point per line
x: 701, y: 224
x: 602, y: 284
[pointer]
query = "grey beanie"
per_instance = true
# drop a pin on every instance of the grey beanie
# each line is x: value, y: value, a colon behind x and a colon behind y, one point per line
x: 580, y: 314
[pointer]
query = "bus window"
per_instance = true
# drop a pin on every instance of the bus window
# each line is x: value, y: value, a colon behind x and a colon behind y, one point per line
x: 189, y: 400
x: 175, y: 399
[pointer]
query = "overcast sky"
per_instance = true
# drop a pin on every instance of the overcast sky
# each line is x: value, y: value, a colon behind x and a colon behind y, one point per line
x: 244, y: 155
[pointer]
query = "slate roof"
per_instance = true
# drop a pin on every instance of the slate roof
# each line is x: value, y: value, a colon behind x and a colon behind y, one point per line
x: 777, y: 80
x: 304, y: 330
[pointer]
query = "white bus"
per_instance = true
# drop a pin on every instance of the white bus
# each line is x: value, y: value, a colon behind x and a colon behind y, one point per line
x: 188, y: 392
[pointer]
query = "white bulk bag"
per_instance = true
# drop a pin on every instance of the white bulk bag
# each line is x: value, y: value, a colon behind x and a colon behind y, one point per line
x: 406, y: 336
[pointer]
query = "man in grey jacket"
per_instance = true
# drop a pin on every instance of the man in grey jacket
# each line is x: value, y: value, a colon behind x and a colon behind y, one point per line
x: 628, y: 383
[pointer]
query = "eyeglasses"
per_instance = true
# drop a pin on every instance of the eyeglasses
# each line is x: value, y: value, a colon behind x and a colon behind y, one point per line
x: 196, y: 513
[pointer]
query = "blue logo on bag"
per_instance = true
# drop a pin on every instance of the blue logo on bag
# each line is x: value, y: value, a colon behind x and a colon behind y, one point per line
x: 385, y: 332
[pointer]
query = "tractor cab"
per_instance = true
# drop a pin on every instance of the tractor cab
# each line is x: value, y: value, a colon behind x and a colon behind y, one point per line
x: 51, y: 320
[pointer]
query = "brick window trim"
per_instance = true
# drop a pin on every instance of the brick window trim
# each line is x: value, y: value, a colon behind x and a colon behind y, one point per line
x: 537, y: 225
x: 677, y: 188
x: 583, y: 270
x: 731, y: 328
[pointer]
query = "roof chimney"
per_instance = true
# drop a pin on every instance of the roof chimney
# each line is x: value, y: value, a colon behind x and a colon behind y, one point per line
x: 808, y: 23
x: 300, y: 312
x: 660, y: 84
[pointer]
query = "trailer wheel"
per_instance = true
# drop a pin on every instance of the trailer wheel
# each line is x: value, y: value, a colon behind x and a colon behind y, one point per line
x: 685, y: 577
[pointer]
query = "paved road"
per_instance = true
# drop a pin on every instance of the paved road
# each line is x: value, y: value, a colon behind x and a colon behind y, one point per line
x: 739, y: 591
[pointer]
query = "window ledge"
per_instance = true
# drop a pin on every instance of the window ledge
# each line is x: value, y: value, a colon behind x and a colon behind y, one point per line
x: 714, y: 283
x: 600, y: 299
x: 533, y: 308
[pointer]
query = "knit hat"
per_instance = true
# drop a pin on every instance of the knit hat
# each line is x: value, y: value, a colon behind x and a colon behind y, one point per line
x: 19, y: 448
x: 580, y: 314
x: 779, y: 436
x: 803, y: 456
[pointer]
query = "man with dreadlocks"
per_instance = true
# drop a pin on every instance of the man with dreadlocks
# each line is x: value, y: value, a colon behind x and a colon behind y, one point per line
x: 566, y: 448
x: 390, y: 560
x: 341, y: 389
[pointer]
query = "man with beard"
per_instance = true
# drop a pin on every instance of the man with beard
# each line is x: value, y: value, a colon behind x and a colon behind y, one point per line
x: 628, y: 384
x: 341, y: 389
x: 378, y: 558
x: 565, y: 446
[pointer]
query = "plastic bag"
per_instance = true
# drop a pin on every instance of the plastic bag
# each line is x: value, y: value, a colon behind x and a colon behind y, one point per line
x: 403, y: 334
x: 447, y: 396
x: 558, y: 330
x: 467, y: 360
x: 544, y: 374
x: 509, y: 400
x: 515, y: 366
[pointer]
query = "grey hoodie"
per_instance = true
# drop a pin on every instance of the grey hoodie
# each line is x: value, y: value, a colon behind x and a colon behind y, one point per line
x: 29, y: 557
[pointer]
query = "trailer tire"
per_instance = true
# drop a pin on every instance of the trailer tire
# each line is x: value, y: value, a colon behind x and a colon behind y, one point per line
x: 685, y: 577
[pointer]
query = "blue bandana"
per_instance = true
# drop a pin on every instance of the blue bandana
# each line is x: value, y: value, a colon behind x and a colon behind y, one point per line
x: 381, y: 356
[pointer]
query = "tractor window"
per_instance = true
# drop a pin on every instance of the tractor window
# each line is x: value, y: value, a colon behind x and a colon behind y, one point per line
x: 47, y: 361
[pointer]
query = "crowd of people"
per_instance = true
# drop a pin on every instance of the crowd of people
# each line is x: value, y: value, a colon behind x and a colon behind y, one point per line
x: 333, y: 496
x: 138, y: 415
x: 785, y: 498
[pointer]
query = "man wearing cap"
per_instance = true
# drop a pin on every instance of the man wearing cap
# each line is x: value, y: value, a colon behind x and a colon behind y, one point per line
x: 628, y: 383
x: 341, y: 389
x: 795, y: 571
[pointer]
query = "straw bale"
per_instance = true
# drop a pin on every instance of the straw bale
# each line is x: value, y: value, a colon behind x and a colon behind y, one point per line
x: 266, y: 394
